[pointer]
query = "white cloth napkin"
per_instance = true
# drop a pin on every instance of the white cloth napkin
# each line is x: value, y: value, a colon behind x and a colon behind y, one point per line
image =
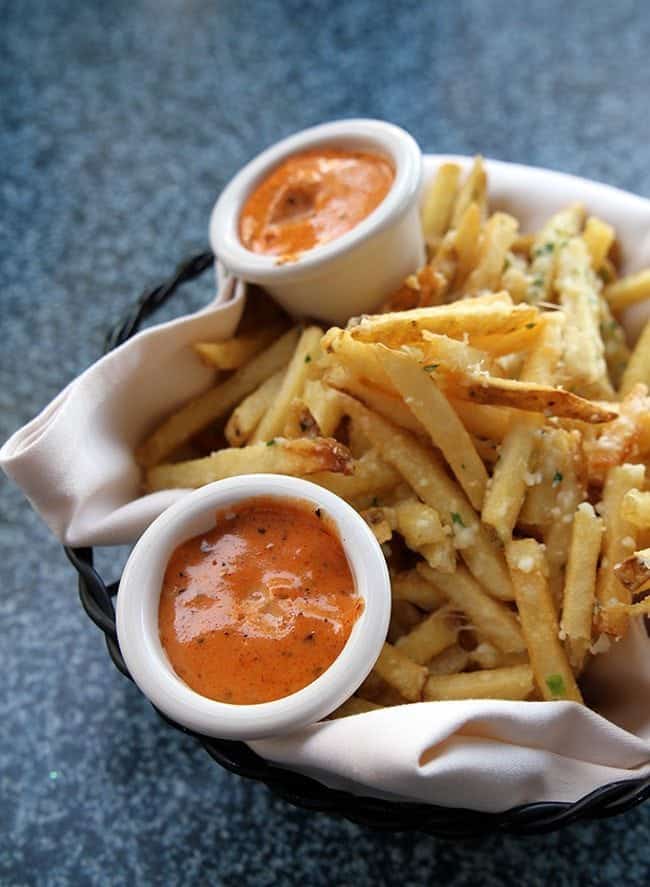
x: 75, y: 464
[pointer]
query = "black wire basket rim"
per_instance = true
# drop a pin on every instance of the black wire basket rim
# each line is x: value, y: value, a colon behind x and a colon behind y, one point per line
x: 303, y: 791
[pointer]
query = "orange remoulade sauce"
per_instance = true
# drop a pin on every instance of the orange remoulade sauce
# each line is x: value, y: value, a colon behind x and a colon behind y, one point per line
x: 312, y: 198
x: 260, y: 606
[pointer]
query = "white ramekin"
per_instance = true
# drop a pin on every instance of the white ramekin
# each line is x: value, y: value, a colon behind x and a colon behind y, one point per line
x: 355, y: 272
x: 139, y: 596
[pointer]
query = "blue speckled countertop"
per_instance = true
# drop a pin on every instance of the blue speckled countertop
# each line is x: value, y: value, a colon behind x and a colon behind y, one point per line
x: 120, y: 123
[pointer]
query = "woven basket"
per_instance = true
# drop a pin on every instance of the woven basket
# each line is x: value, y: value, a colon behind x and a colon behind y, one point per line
x: 529, y: 819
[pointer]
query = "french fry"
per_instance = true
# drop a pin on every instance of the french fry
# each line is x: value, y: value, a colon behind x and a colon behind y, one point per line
x: 440, y: 350
x: 634, y: 572
x: 491, y: 617
x: 638, y: 367
x: 323, y: 405
x: 548, y: 658
x: 486, y: 655
x: 483, y: 420
x: 245, y: 418
x: 354, y: 706
x: 580, y: 584
x: 431, y: 636
x: 548, y: 243
x: 451, y: 661
x: 498, y: 236
x: 473, y: 190
x: 424, y: 474
x: 507, y: 488
x: 628, y: 291
x: 418, y: 523
x: 216, y: 402
x: 584, y: 352
x: 617, y: 353
x: 235, y: 352
x: 466, y: 243
x: 369, y: 475
x: 401, y: 673
x: 462, y: 320
x: 530, y: 397
x: 307, y: 351
x: 569, y: 492
x: 439, y: 201
x: 294, y: 457
x: 635, y: 508
x: 619, y: 543
x: 410, y: 586
x: 379, y: 522
x: 515, y: 682
x: 387, y: 403
x: 542, y: 362
x: 598, y: 237
x: 434, y: 412
x: 624, y: 439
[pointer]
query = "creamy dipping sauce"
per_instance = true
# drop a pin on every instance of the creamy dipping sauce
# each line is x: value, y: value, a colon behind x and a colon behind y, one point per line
x: 312, y: 198
x: 260, y: 606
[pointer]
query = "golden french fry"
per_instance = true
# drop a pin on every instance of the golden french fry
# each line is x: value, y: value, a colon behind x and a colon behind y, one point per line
x: 635, y: 508
x: 323, y: 405
x: 294, y: 457
x: 235, y: 352
x: 432, y: 409
x: 307, y: 352
x: 498, y: 236
x: 491, y: 617
x: 354, y: 706
x: 378, y: 521
x: 426, y: 476
x: 628, y: 291
x: 550, y: 240
x: 548, y: 658
x: 486, y: 655
x: 246, y: 417
x: 624, y: 439
x: 369, y: 475
x: 619, y: 543
x: 466, y: 243
x: 530, y: 397
x: 418, y: 523
x: 401, y: 673
x: 542, y: 362
x: 584, y: 352
x: 410, y: 586
x: 386, y: 403
x: 638, y: 367
x: 507, y: 488
x: 515, y: 682
x: 483, y: 420
x: 431, y: 636
x: 451, y: 661
x: 580, y: 584
x: 473, y: 190
x: 598, y: 237
x: 216, y: 402
x: 439, y: 201
x: 634, y: 571
x: 463, y: 320
x: 437, y: 350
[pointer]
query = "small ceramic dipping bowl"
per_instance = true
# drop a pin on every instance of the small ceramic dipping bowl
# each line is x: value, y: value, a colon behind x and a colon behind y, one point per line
x: 139, y: 597
x: 355, y: 272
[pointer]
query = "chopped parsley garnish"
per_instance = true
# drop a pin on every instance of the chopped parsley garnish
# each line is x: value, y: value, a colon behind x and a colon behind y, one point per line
x: 558, y: 477
x: 457, y: 519
x: 546, y: 248
x: 506, y: 263
x: 529, y: 326
x: 308, y: 358
x: 555, y: 683
x: 431, y: 367
x: 374, y: 502
x: 271, y: 443
x: 538, y: 282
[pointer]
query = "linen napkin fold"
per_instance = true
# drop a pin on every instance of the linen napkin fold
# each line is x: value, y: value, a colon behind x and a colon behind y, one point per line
x: 75, y: 464
x: 75, y: 461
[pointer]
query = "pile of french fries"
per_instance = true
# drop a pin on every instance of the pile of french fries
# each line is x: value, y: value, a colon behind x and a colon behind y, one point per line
x: 490, y: 425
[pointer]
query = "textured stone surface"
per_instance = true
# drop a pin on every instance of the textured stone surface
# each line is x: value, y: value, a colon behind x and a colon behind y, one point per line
x: 120, y: 123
